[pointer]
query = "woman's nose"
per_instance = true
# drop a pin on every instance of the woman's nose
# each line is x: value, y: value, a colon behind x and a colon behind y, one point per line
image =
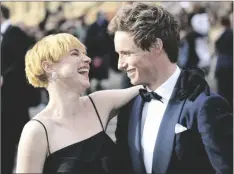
x: 87, y: 59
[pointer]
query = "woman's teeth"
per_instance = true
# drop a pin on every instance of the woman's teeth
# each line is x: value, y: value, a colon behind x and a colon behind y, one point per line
x: 83, y: 71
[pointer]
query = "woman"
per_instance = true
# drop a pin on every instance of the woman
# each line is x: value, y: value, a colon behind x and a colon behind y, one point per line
x: 68, y: 136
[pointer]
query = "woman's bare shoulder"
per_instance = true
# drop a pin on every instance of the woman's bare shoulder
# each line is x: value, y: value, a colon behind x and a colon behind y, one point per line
x: 32, y: 148
x: 33, y: 134
x: 37, y: 125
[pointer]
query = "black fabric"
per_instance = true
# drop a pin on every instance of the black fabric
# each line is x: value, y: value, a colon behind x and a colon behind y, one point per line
x: 192, y: 83
x: 94, y: 155
x: 14, y: 46
x: 224, y: 66
x: 12, y: 124
x: 123, y: 154
x: 193, y: 59
x: 225, y: 84
x: 224, y: 43
x: 15, y: 93
x: 99, y: 44
x: 148, y: 96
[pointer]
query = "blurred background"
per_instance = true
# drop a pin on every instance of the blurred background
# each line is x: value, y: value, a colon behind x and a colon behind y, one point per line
x: 206, y: 42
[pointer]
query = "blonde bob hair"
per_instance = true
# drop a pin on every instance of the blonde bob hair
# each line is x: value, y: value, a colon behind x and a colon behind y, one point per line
x: 50, y: 48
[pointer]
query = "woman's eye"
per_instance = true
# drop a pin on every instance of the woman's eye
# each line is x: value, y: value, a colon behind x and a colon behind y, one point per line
x: 75, y: 54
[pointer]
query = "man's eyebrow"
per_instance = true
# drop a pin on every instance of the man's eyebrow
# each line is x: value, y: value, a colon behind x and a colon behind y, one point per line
x: 125, y: 51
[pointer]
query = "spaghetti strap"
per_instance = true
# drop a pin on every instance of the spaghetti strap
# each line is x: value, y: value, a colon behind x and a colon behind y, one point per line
x: 96, y: 112
x: 45, y: 132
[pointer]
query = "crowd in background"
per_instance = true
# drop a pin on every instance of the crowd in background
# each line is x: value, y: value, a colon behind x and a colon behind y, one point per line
x: 100, y: 46
x: 196, y: 49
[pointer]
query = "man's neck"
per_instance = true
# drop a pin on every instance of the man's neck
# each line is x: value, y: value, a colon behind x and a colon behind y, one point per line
x: 162, y: 76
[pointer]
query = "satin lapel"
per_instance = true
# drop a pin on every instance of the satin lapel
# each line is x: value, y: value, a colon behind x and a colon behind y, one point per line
x: 134, y: 136
x: 165, y: 139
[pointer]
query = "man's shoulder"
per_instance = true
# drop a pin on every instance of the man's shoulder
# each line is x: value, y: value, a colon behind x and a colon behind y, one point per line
x: 204, y: 100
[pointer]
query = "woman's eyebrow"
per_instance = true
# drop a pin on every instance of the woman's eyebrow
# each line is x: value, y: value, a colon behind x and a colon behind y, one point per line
x: 76, y: 50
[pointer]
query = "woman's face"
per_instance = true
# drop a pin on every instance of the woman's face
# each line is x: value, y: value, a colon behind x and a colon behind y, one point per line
x: 73, y: 70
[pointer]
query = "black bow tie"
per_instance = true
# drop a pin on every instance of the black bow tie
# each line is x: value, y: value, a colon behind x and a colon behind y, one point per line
x: 147, y: 96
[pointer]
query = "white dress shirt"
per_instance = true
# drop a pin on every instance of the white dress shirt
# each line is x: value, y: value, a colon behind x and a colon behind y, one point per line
x: 152, y: 115
x: 4, y: 27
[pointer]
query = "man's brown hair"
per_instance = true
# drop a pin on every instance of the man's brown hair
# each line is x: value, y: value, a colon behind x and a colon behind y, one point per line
x: 147, y: 23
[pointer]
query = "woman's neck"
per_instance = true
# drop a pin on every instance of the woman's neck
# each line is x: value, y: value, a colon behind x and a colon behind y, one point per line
x: 64, y: 102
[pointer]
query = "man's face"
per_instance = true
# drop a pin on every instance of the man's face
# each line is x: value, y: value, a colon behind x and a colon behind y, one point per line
x: 138, y: 64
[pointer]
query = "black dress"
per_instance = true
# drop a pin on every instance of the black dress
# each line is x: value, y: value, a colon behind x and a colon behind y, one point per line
x: 95, y: 155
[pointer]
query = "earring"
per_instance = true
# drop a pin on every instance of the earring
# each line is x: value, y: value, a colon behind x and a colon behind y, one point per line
x: 54, y: 76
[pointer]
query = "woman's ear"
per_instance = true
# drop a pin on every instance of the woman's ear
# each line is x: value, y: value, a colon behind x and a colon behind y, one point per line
x: 47, y: 66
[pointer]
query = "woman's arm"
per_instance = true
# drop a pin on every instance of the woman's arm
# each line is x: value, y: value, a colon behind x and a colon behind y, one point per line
x: 32, y: 149
x: 112, y: 100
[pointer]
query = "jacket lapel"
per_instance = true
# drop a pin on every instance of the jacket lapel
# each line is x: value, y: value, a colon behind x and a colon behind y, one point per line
x: 134, y: 136
x: 165, y: 139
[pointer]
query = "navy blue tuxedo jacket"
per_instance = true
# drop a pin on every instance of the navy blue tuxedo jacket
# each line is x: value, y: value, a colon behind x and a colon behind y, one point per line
x: 206, y: 147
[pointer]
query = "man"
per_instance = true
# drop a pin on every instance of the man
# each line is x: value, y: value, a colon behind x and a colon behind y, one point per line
x: 14, y: 88
x: 156, y: 132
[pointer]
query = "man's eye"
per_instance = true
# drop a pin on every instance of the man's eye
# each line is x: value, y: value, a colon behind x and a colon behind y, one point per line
x: 127, y: 54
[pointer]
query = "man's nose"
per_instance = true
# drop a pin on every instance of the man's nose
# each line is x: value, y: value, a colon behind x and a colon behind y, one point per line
x: 122, y: 65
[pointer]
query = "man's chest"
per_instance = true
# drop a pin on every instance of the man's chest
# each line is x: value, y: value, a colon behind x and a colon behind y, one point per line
x: 152, y: 114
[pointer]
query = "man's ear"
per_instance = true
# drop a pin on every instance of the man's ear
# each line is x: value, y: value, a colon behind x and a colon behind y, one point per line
x: 159, y: 44
x: 47, y: 66
x: 157, y: 47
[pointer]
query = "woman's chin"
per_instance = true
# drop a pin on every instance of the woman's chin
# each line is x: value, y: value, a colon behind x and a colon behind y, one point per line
x: 83, y: 88
x: 86, y: 85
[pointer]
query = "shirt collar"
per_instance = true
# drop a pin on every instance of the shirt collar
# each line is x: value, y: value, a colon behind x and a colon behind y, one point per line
x: 4, y: 26
x: 165, y: 90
